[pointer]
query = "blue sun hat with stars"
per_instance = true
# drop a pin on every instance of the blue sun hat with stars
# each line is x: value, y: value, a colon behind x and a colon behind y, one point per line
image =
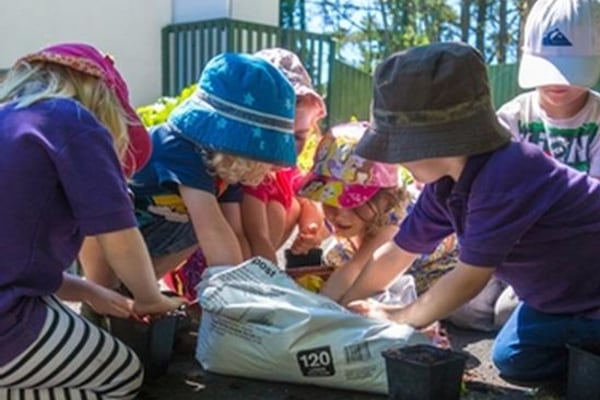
x: 243, y: 106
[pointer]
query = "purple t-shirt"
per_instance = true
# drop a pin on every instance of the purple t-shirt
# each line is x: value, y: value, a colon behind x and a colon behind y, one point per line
x: 60, y: 180
x: 516, y: 209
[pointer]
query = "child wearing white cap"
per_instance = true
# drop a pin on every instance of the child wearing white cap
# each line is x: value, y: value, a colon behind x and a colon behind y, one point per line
x: 561, y: 60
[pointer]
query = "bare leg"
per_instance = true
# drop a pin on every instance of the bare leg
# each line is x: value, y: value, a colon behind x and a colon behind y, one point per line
x: 276, y: 217
x: 164, y: 264
x: 96, y: 269
x: 94, y: 266
x: 291, y: 220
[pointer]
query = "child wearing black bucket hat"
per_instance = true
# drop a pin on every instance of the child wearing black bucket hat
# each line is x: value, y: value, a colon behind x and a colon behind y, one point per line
x: 235, y: 128
x: 518, y: 214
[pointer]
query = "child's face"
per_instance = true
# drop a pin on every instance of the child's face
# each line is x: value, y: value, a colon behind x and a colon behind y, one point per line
x: 349, y: 222
x: 303, y: 122
x: 563, y: 96
x: 432, y: 169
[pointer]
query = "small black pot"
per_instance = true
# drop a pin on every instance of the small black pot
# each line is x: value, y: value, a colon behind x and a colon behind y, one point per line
x: 312, y: 258
x: 584, y: 371
x: 424, y: 372
x: 152, y: 342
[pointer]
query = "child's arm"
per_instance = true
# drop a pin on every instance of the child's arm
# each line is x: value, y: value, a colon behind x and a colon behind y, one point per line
x: 126, y: 252
x: 311, y: 227
x: 256, y: 228
x: 102, y: 300
x: 233, y: 214
x: 343, y: 277
x: 451, y: 291
x: 215, y: 236
x: 386, y: 263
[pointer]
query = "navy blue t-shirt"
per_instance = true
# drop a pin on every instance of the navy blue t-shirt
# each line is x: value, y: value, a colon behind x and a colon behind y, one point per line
x: 177, y: 161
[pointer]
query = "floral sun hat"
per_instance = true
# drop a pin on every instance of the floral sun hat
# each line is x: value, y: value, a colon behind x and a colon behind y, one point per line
x: 294, y: 71
x: 339, y: 177
x: 87, y: 59
x: 243, y: 105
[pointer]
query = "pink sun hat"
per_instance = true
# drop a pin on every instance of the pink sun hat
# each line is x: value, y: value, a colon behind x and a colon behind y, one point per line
x: 87, y: 59
x: 341, y: 178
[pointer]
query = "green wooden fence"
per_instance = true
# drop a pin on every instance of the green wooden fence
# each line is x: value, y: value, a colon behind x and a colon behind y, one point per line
x: 350, y: 93
x: 187, y: 47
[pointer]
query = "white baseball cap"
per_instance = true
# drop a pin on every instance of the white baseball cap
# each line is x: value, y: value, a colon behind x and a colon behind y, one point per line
x: 561, y: 44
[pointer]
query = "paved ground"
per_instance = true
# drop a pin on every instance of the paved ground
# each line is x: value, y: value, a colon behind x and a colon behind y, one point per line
x: 186, y: 380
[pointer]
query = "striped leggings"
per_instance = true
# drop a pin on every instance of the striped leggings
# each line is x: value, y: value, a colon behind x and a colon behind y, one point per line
x: 71, y: 359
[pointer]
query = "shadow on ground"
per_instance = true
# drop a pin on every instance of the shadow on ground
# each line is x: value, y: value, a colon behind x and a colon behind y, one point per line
x: 185, y: 379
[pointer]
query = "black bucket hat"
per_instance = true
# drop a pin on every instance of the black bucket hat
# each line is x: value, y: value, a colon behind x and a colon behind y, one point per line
x: 431, y: 101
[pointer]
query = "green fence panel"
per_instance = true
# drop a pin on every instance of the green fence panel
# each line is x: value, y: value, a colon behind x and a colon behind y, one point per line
x: 503, y: 83
x: 351, y: 91
x: 187, y: 47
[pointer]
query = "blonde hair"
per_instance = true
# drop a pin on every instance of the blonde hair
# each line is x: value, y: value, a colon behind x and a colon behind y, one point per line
x: 388, y: 207
x: 234, y: 169
x: 27, y: 83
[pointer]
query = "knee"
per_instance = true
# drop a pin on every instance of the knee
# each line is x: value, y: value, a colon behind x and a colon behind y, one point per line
x: 128, y: 383
x: 504, y: 361
x: 519, y: 365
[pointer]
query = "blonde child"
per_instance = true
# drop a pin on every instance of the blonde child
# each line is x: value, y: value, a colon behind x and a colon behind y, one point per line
x: 235, y: 129
x: 270, y: 210
x: 68, y: 134
x: 363, y: 203
x: 361, y: 200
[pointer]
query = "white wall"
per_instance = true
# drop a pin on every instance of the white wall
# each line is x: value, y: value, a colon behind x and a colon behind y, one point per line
x: 199, y: 10
x: 127, y: 29
x: 259, y: 11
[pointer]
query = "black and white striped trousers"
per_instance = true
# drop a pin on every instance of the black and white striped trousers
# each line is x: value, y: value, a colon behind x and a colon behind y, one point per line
x: 71, y: 359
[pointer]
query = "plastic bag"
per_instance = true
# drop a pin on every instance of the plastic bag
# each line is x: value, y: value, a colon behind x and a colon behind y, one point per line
x: 258, y: 323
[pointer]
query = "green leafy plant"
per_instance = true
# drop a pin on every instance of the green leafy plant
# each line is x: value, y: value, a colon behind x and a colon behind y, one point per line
x: 158, y: 112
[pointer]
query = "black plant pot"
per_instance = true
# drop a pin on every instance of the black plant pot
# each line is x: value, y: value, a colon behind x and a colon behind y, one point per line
x: 312, y: 258
x: 151, y: 341
x: 424, y: 372
x: 584, y: 371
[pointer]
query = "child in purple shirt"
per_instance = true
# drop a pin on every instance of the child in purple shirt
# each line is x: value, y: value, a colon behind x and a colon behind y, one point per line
x: 517, y: 213
x: 68, y: 134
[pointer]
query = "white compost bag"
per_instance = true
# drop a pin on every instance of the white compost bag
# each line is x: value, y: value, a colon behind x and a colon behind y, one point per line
x: 258, y: 323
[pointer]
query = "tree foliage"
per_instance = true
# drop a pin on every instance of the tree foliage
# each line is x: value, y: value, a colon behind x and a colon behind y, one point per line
x: 369, y: 30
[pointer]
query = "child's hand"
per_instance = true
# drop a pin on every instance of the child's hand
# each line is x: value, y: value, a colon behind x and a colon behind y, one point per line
x: 162, y: 305
x: 308, y: 238
x: 108, y: 302
x: 373, y: 309
x: 369, y: 308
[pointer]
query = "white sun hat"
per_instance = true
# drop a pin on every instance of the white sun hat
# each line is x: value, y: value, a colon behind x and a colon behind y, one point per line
x: 561, y: 44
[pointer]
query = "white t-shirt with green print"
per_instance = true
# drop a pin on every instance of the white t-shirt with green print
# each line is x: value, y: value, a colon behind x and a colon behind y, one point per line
x: 574, y: 141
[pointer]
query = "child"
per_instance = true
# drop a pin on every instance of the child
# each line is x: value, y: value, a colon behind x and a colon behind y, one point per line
x: 561, y: 60
x: 234, y: 129
x: 66, y: 124
x: 270, y: 211
x: 363, y: 202
x: 517, y: 213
